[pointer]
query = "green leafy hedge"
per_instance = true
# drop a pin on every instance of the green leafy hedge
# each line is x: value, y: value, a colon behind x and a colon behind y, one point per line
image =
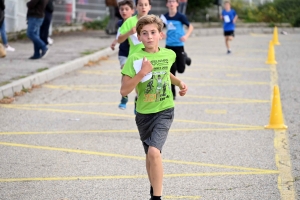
x: 278, y: 11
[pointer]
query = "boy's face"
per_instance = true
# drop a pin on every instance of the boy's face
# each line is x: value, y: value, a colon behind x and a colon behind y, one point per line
x: 227, y: 6
x: 150, y: 36
x: 143, y: 7
x: 172, y: 4
x: 125, y: 11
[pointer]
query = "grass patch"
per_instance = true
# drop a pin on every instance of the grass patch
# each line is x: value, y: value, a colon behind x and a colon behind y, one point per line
x: 19, y: 77
x: 4, y: 83
x: 41, y: 69
x: 88, y: 52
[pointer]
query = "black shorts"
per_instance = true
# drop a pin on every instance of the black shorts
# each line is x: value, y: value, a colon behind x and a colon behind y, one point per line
x: 154, y: 128
x: 179, y: 64
x: 229, y: 33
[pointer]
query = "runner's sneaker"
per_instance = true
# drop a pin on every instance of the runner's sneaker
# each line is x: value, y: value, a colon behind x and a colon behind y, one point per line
x: 9, y: 48
x: 123, y: 103
x: 228, y: 52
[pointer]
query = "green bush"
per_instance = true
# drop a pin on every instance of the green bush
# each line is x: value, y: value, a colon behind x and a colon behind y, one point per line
x: 96, y: 24
x: 279, y: 11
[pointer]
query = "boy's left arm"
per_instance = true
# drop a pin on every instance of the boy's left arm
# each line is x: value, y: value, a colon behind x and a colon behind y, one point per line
x: 187, y: 34
x: 235, y: 18
x: 182, y: 86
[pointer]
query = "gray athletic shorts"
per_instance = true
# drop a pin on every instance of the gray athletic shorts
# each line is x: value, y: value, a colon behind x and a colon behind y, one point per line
x: 154, y: 128
x: 122, y: 60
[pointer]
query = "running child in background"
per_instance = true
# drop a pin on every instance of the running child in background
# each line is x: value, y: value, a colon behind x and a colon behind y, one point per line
x: 126, y: 9
x: 229, y: 18
x: 128, y: 30
x: 176, y: 37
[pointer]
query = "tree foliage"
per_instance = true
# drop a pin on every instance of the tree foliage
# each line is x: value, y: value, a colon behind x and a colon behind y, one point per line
x: 196, y: 5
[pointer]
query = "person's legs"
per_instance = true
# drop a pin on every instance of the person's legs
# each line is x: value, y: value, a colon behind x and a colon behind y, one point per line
x: 3, y: 34
x: 155, y: 170
x: 44, y: 30
x: 33, y: 33
x: 180, y: 7
x: 184, y: 5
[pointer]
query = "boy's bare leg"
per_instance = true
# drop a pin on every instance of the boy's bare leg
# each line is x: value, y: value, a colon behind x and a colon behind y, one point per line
x: 148, y: 167
x: 155, y: 170
x: 227, y: 42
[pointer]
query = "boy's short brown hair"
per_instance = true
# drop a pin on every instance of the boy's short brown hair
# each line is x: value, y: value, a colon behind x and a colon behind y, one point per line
x: 137, y: 1
x: 149, y: 19
x: 126, y: 2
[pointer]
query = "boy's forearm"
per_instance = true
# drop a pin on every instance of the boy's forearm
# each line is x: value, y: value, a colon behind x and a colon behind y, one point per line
x: 174, y: 80
x: 123, y: 37
x: 190, y: 30
x: 128, y: 85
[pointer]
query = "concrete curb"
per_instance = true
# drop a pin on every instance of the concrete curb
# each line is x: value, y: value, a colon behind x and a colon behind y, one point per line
x: 50, y: 74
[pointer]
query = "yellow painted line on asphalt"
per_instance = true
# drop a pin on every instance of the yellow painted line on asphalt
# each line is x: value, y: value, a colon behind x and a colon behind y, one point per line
x: 286, y: 180
x: 227, y: 81
x: 259, y: 35
x: 233, y: 75
x: 124, y: 115
x: 131, y: 103
x: 209, y: 174
x: 266, y: 171
x: 124, y: 131
x: 181, y: 197
x: 216, y: 111
x: 82, y: 89
x: 84, y: 86
x: 101, y: 73
x: 218, y: 68
x: 227, y: 98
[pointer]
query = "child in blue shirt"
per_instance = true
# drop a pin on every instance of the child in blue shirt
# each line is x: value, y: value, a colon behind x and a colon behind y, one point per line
x: 229, y: 18
x: 176, y: 37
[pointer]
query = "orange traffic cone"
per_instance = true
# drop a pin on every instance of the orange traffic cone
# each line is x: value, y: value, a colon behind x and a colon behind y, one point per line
x: 271, y: 54
x: 275, y: 36
x: 276, y: 118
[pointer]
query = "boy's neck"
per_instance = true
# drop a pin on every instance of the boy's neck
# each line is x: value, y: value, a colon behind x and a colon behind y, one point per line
x: 172, y: 13
x: 151, y: 50
x: 139, y: 16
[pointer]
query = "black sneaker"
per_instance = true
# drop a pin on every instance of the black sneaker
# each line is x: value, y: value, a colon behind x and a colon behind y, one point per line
x: 188, y: 60
x: 44, y: 53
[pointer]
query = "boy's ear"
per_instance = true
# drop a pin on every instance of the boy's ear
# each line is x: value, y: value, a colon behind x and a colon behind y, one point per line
x: 161, y: 35
x: 139, y: 37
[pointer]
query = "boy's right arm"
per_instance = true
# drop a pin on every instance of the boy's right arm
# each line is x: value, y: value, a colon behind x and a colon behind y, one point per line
x: 123, y: 37
x: 128, y: 83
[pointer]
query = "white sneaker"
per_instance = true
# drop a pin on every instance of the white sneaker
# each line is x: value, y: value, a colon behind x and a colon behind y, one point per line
x: 50, y: 41
x: 9, y: 48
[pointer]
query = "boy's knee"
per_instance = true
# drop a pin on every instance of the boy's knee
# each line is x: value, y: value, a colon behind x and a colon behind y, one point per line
x: 153, y: 153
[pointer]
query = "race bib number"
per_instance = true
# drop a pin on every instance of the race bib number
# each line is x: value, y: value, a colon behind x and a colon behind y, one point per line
x: 226, y: 19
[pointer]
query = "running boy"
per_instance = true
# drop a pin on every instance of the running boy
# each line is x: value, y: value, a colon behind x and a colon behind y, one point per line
x: 126, y: 10
x: 229, y: 18
x: 128, y: 29
x: 176, y: 37
x: 148, y: 70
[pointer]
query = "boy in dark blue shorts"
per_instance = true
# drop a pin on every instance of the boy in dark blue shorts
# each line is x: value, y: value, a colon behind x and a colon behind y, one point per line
x: 229, y: 18
x: 126, y: 10
x: 176, y: 37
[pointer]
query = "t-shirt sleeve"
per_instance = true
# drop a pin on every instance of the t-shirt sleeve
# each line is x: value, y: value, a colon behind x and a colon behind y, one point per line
x: 128, y: 68
x: 233, y: 13
x: 126, y: 26
x: 184, y: 20
x: 172, y: 57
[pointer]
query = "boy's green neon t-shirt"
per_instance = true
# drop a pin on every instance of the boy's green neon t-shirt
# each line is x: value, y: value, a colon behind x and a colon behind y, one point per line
x: 134, y: 44
x: 154, y: 90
